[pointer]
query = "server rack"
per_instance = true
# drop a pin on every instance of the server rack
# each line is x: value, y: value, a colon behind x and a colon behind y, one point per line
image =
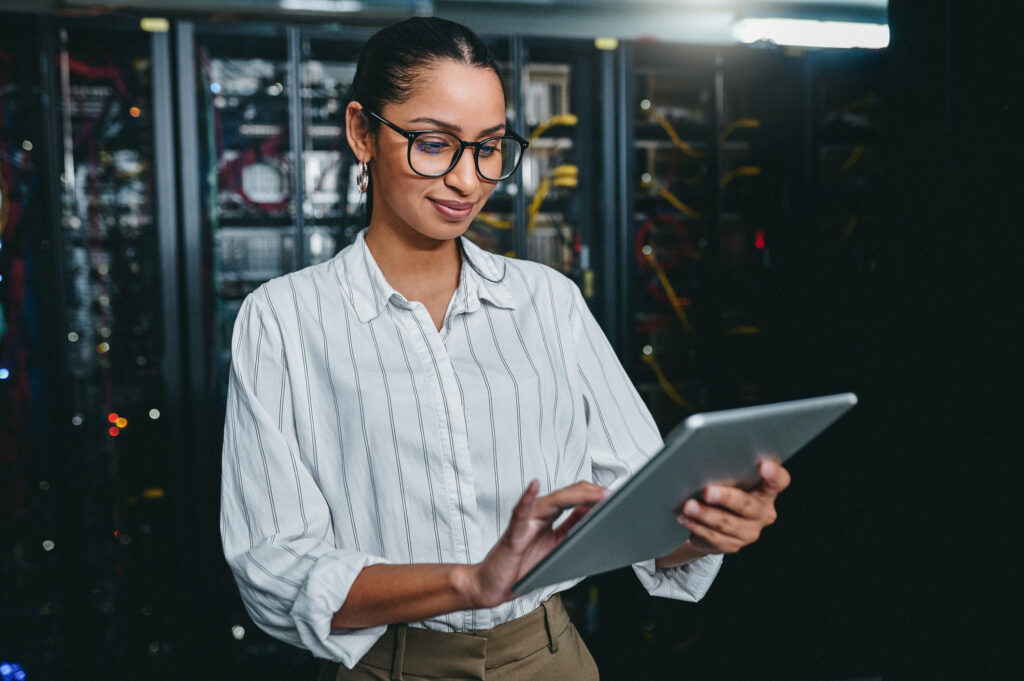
x: 757, y: 180
x: 706, y: 182
x: 101, y: 250
x: 121, y: 370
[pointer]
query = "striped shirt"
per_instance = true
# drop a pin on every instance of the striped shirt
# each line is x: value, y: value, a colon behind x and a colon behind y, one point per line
x: 357, y: 433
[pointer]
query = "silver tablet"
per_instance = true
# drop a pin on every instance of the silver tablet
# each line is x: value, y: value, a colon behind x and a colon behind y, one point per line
x: 638, y: 521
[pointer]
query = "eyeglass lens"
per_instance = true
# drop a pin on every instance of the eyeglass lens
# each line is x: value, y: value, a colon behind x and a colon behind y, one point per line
x: 432, y: 154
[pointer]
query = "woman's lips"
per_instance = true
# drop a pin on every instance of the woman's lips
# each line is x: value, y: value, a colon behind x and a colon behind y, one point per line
x: 454, y: 210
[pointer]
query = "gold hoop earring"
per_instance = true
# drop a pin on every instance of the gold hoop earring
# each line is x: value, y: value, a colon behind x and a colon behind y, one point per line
x: 363, y: 177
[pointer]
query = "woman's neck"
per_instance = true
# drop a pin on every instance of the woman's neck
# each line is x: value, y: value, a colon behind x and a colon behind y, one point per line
x: 416, y: 266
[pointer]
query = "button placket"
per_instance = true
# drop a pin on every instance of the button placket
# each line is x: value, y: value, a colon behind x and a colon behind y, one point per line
x: 458, y: 471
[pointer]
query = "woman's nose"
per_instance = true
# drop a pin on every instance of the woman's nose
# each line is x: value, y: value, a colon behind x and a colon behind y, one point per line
x: 463, y: 178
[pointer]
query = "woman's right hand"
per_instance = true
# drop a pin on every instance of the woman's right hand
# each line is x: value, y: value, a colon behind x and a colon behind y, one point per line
x: 531, y: 535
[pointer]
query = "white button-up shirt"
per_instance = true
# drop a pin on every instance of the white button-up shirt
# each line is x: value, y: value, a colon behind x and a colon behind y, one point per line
x: 357, y: 433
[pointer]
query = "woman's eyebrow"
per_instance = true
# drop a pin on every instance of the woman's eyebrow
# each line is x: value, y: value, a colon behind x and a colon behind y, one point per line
x: 455, y: 128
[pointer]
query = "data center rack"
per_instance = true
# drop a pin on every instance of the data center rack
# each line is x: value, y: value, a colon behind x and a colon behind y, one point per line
x: 707, y: 183
x: 96, y: 307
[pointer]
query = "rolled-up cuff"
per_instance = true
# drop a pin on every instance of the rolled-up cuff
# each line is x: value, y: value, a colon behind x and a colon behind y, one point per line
x: 326, y: 588
x: 685, y: 583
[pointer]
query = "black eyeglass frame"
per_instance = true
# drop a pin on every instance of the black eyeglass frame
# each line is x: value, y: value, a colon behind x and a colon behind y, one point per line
x: 411, y: 135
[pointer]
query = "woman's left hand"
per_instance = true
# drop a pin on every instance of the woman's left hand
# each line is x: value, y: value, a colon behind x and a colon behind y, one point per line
x: 725, y: 519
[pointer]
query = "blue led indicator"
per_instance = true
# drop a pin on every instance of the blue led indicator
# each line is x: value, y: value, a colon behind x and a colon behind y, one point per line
x: 11, y: 672
x: 215, y: 88
x: 4, y: 375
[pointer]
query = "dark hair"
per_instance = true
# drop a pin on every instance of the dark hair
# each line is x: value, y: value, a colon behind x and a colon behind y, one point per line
x: 393, y: 58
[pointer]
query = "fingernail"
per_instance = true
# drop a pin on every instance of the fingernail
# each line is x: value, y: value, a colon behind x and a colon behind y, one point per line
x: 713, y: 495
x: 768, y: 469
x: 691, y: 508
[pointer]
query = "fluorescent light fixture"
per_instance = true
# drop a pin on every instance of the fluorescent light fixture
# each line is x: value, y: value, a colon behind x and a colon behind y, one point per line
x: 323, y: 5
x: 811, y: 33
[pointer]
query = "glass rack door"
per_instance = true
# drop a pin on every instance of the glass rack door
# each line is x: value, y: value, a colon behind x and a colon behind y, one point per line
x: 674, y: 222
x: 246, y: 163
x: 118, y: 456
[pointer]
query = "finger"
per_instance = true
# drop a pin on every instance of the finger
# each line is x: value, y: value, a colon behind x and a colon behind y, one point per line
x: 774, y: 478
x: 579, y: 494
x: 719, y: 542
x: 725, y: 522
x: 734, y: 499
x: 523, y: 510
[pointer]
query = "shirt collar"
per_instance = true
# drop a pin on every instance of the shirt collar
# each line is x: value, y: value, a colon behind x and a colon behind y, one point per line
x: 482, y: 278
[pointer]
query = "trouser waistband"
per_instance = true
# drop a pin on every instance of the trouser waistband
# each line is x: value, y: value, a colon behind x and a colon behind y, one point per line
x: 424, y: 652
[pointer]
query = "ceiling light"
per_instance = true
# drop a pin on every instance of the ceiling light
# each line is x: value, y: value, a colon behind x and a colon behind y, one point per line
x: 811, y: 33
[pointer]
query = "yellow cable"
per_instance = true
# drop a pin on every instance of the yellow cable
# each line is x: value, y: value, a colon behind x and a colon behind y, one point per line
x: 672, y: 135
x: 742, y: 171
x: 495, y: 222
x: 736, y: 125
x: 854, y: 156
x: 677, y: 305
x: 742, y: 330
x: 565, y: 175
x: 851, y: 225
x: 679, y: 205
x: 538, y: 198
x: 672, y: 199
x: 664, y: 382
x: 560, y: 119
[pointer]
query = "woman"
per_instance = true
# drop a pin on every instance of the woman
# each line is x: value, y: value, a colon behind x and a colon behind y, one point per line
x: 407, y: 421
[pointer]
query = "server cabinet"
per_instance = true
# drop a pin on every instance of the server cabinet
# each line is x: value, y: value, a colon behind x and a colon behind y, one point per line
x: 92, y: 176
x: 560, y: 172
x: 707, y: 172
x: 757, y: 201
x: 120, y: 366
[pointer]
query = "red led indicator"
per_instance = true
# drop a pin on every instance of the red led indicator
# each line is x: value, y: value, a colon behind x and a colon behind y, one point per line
x: 759, y: 240
x: 114, y: 431
x: 112, y: 417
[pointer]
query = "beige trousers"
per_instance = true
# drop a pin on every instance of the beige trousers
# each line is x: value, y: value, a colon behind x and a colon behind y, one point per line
x: 538, y: 646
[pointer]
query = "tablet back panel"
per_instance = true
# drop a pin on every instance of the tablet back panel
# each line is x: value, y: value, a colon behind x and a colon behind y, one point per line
x: 638, y: 521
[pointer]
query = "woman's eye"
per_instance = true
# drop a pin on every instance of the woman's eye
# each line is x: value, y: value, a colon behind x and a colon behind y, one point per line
x: 432, y: 145
x: 488, y: 150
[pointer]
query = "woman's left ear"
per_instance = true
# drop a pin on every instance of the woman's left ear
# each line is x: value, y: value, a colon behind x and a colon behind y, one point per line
x: 358, y: 133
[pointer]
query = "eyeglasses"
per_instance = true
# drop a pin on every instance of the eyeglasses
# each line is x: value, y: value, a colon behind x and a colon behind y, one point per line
x: 432, y: 153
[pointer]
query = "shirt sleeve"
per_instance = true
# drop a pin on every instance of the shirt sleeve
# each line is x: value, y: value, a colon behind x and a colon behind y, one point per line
x: 621, y: 437
x: 275, y: 524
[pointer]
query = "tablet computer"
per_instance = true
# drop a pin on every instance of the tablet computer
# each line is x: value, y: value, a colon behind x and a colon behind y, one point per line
x: 638, y: 521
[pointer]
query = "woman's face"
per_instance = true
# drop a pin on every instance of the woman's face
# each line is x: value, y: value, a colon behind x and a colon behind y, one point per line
x: 458, y: 98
